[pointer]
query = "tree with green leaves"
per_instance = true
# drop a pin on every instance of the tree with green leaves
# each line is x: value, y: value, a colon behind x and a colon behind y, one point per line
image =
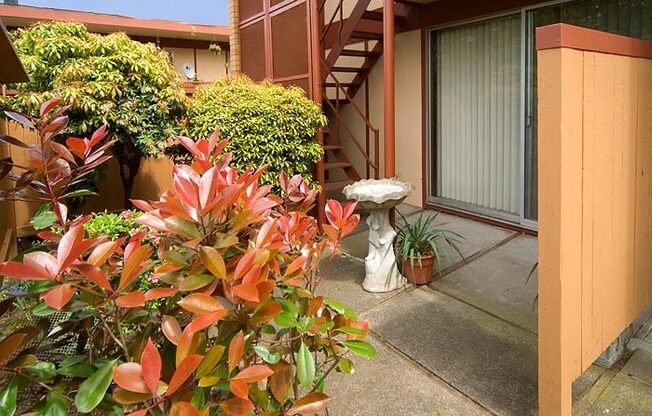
x: 265, y: 123
x: 107, y: 80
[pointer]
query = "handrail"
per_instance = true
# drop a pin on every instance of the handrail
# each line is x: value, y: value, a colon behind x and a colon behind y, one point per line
x: 342, y: 123
x: 339, y: 88
x: 339, y: 9
x: 350, y: 99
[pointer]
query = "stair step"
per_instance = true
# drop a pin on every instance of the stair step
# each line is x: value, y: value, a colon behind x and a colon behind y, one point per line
x: 334, y: 84
x: 349, y: 69
x: 342, y: 100
x: 336, y: 165
x: 332, y: 147
x: 337, y: 185
x: 364, y: 54
x: 369, y: 15
x: 366, y: 35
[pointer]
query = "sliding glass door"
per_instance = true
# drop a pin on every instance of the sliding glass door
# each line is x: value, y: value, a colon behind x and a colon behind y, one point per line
x: 483, y: 95
x: 477, y: 70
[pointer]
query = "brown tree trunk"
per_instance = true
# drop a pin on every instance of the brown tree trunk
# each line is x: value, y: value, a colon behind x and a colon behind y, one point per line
x: 129, y: 159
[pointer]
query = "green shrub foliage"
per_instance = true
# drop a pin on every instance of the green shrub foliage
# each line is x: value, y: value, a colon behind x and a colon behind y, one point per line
x: 113, y: 80
x: 265, y: 124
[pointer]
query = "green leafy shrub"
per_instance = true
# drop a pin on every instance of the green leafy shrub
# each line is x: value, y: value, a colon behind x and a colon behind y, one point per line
x: 127, y: 85
x: 265, y: 124
x: 113, y: 225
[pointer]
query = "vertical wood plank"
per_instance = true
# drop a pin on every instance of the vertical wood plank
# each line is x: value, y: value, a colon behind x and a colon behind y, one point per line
x: 643, y: 217
x: 629, y: 70
x: 603, y: 269
x: 590, y: 193
x: 560, y: 227
x: 7, y: 214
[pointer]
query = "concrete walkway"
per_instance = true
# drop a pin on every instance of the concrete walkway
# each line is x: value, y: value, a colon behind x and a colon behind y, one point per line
x: 466, y: 344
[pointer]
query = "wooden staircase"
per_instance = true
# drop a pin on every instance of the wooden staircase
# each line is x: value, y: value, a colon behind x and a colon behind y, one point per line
x: 353, y: 45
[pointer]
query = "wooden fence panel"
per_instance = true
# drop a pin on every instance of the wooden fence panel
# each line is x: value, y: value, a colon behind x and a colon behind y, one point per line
x: 595, y: 199
x: 154, y: 176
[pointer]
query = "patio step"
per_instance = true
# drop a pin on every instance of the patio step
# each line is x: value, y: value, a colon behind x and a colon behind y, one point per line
x: 366, y: 35
x: 349, y: 69
x: 337, y: 165
x: 363, y: 54
x: 337, y: 185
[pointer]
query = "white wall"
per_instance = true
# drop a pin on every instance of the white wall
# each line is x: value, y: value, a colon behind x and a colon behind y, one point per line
x: 209, y: 65
x: 408, y: 113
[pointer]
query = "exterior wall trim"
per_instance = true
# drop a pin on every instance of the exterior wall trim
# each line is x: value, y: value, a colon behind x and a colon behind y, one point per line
x: 563, y: 35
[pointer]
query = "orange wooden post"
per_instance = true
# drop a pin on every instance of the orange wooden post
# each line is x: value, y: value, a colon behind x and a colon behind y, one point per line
x: 560, y: 227
x: 389, y: 92
x: 315, y: 53
x: 234, y: 37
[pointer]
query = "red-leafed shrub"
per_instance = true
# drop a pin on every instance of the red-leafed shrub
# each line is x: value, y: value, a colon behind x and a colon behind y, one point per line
x: 236, y: 328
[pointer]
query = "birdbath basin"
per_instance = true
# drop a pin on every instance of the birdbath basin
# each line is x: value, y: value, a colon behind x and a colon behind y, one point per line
x: 378, y: 196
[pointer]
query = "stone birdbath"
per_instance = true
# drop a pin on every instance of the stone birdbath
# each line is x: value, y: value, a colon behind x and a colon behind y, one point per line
x: 378, y: 196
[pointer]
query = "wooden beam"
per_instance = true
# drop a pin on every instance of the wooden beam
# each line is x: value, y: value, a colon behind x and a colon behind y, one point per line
x: 389, y: 92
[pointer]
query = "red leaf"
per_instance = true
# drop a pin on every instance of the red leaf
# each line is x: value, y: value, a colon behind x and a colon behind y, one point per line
x: 333, y: 211
x: 77, y: 146
x: 171, y: 329
x: 296, y: 264
x: 236, y: 350
x: 254, y: 374
x: 20, y: 271
x: 280, y: 382
x: 68, y: 249
x: 237, y: 407
x: 244, y: 264
x: 150, y: 361
x: 265, y: 312
x: 129, y: 376
x: 141, y: 412
x: 246, y: 291
x: 132, y: 265
x: 199, y: 303
x: 184, y: 409
x: 131, y: 300
x: 94, y: 274
x: 102, y: 252
x: 49, y: 105
x: 9, y: 345
x: 239, y: 388
x: 188, y: 341
x: 98, y: 135
x: 205, y: 320
x: 59, y: 297
x: 213, y: 261
x: 183, y: 371
x: 160, y: 292
x: 310, y: 404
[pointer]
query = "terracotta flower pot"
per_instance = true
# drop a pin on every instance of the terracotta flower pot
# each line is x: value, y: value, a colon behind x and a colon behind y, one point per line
x: 421, y: 273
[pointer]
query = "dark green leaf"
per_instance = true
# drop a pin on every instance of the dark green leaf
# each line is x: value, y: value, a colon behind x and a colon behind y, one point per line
x: 305, y: 366
x: 339, y: 308
x: 43, y: 220
x: 42, y: 309
x: 42, y: 369
x: 55, y: 405
x: 361, y: 348
x: 78, y: 193
x: 267, y: 356
x: 286, y: 319
x: 8, y: 399
x: 346, y: 366
x: 92, y: 391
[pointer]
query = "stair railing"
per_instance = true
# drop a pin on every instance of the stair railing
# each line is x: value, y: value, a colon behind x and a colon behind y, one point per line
x: 375, y: 163
x: 338, y: 10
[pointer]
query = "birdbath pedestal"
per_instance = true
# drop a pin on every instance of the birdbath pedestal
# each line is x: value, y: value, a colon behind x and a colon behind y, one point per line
x: 378, y: 196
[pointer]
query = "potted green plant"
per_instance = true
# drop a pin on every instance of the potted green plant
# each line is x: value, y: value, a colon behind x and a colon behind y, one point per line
x: 420, y: 245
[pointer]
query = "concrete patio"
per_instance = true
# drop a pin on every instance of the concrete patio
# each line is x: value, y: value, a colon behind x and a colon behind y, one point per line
x: 467, y: 343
